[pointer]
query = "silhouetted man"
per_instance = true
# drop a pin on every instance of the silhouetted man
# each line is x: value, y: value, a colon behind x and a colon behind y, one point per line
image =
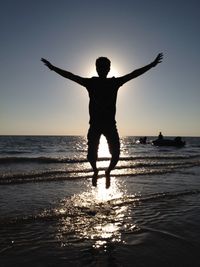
x: 102, y: 106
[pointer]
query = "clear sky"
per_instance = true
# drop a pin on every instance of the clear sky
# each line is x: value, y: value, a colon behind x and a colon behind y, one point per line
x: 71, y: 35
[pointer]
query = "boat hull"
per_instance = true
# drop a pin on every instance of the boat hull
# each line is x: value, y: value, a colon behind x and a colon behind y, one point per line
x: 168, y: 142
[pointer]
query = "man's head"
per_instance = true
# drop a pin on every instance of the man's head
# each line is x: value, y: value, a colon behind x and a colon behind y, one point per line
x: 102, y: 66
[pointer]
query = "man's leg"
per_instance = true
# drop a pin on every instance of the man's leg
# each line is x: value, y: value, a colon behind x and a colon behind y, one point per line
x: 112, y: 137
x: 93, y: 144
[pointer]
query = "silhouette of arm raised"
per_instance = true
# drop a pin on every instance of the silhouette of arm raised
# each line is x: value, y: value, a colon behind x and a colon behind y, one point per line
x: 142, y: 70
x: 64, y: 73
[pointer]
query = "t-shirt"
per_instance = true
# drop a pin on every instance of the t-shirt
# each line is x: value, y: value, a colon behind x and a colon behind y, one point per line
x: 103, y: 96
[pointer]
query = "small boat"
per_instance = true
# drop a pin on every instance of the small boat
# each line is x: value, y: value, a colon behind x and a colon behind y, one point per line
x: 176, y: 142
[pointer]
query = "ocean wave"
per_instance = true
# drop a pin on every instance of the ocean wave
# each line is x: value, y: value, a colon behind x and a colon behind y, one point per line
x: 86, y: 173
x: 159, y: 196
x: 51, y: 160
x: 15, y: 160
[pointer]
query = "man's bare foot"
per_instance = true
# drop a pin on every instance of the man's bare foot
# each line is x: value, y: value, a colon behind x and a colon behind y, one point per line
x: 107, y: 173
x: 107, y: 182
x: 94, y: 178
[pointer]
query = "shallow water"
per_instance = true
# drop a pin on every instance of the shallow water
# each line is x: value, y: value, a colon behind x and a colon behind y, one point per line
x: 51, y: 215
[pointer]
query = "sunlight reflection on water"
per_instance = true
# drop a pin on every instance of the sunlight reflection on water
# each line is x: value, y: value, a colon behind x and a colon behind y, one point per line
x: 95, y: 216
x: 101, y: 194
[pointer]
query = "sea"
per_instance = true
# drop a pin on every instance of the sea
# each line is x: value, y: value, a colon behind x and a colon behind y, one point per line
x: 52, y: 215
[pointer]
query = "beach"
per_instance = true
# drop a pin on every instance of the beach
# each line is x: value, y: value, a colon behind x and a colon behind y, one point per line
x: 51, y: 215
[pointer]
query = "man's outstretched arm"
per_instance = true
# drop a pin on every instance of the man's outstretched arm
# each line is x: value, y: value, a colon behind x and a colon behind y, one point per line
x: 142, y: 70
x: 64, y: 73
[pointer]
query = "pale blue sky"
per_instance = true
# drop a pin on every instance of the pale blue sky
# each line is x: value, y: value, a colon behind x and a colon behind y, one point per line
x: 72, y: 34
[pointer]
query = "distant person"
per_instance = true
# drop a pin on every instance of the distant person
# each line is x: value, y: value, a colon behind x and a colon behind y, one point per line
x: 102, y: 107
x: 143, y: 140
x: 160, y: 136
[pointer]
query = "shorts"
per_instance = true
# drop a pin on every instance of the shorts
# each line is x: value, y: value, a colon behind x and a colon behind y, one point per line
x: 111, y: 134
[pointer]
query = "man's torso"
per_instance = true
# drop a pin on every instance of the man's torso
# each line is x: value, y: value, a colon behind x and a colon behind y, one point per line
x: 103, y: 97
